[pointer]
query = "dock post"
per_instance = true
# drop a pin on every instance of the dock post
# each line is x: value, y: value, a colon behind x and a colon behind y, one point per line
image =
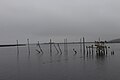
x: 17, y: 48
x: 28, y: 46
x: 50, y: 47
x: 106, y: 50
x: 83, y: 46
x: 92, y: 50
x: 56, y: 48
x: 66, y: 47
x: 59, y: 49
x: 66, y: 50
x: 40, y: 47
x: 87, y: 50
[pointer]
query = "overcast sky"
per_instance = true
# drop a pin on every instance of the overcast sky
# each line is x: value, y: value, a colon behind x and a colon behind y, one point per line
x: 57, y: 19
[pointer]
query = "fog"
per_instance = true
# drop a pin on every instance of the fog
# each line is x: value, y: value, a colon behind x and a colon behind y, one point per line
x: 58, y: 19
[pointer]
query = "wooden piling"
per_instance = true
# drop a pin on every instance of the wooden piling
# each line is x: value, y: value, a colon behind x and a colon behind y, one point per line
x: 106, y: 50
x: 40, y: 47
x: 59, y: 49
x: 87, y: 50
x: 50, y: 47
x: 83, y: 46
x: 66, y: 47
x: 92, y: 50
x: 28, y: 46
x: 56, y: 48
x: 17, y: 47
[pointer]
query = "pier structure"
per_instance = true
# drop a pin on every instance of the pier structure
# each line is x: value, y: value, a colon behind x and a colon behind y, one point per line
x: 101, y: 48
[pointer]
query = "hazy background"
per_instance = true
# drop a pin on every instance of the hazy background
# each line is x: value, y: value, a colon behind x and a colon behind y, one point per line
x: 58, y: 19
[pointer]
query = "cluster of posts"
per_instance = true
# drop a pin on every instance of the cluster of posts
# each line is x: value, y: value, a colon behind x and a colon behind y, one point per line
x: 90, y: 50
x: 101, y: 48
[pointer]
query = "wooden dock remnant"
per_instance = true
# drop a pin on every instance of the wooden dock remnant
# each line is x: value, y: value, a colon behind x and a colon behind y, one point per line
x: 100, y: 48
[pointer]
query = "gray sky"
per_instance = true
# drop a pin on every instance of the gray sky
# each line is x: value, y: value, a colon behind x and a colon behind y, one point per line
x: 57, y: 19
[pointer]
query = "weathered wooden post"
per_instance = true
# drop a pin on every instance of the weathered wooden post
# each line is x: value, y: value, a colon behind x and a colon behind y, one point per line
x: 17, y: 55
x: 56, y: 48
x: 66, y: 47
x: 59, y: 49
x: 28, y: 46
x: 83, y: 46
x: 40, y: 47
x: 17, y: 48
x: 50, y: 47
x: 87, y: 50
x: 106, y: 50
x: 92, y: 50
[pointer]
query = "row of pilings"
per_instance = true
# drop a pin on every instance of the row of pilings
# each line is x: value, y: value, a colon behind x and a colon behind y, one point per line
x: 85, y: 50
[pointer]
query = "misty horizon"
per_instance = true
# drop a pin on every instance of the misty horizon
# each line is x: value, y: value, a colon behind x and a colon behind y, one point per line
x: 40, y: 20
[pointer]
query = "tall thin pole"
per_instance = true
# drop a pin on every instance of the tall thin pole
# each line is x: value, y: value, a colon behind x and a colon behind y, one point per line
x: 66, y: 50
x: 106, y: 50
x: 50, y: 47
x: 17, y: 48
x: 87, y: 50
x: 83, y: 46
x: 66, y: 47
x: 92, y: 50
x: 18, y: 66
x: 28, y: 46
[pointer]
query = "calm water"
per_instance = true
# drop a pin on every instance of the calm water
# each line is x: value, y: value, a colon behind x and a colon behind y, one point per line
x: 58, y: 67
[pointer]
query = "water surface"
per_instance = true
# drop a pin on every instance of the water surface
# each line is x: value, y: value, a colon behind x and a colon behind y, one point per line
x: 67, y: 66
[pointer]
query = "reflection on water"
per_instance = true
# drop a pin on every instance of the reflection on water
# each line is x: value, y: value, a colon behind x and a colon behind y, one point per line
x: 101, y: 60
x: 65, y: 66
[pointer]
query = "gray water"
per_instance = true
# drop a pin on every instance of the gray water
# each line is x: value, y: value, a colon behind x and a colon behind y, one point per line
x: 58, y: 67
